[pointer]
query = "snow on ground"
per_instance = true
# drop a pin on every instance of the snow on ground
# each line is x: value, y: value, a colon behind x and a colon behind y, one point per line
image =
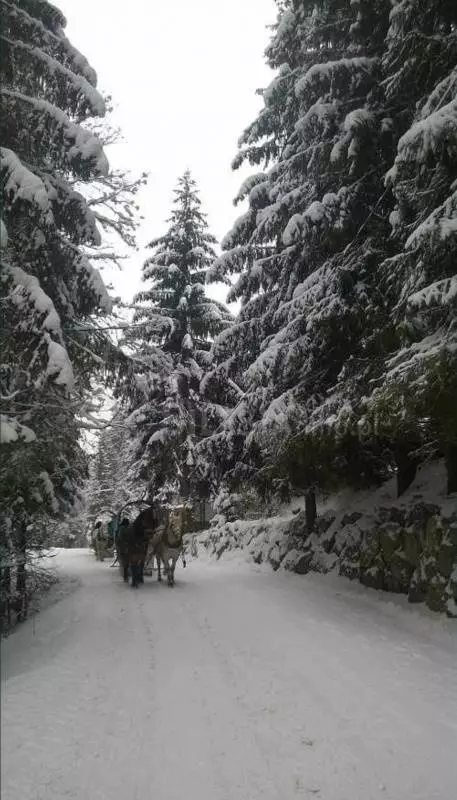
x: 429, y: 486
x: 239, y: 684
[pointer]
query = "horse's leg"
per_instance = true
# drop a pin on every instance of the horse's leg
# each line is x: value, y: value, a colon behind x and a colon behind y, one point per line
x: 170, y: 570
x: 135, y: 575
x: 159, y: 574
x: 173, y: 567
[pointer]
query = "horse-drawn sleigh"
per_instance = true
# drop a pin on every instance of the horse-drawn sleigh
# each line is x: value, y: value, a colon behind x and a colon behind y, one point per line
x: 156, y: 537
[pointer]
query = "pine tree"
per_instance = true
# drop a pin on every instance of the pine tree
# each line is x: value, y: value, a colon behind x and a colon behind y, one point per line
x: 108, y: 490
x: 178, y: 271
x: 112, y: 198
x: 176, y: 320
x: 50, y: 290
x: 309, y: 244
x: 415, y: 403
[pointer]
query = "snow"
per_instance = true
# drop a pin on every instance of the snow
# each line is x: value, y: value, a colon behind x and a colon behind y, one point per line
x: 22, y: 184
x: 315, y: 212
x: 159, y: 437
x: 337, y: 151
x: 448, y: 227
x: 187, y: 342
x: 11, y: 431
x: 49, y: 490
x: 269, y: 538
x: 424, y: 138
x: 326, y: 71
x: 95, y: 282
x: 442, y: 221
x: 395, y: 218
x: 78, y: 82
x: 440, y: 292
x: 57, y: 42
x: 238, y: 684
x: 80, y: 62
x: 413, y: 357
x: 84, y: 144
x: 321, y: 112
x: 3, y: 235
x: 444, y: 89
x: 287, y: 24
x: 248, y: 185
x: 240, y: 225
x: 263, y: 364
x: 43, y: 304
x: 258, y: 194
x: 280, y: 411
x: 59, y: 365
x: 359, y: 117
x: 293, y: 230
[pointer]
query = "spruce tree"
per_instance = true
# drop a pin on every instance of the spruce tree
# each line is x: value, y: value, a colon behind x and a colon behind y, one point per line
x: 175, y: 322
x: 307, y: 249
x: 50, y: 291
x: 415, y: 402
x: 107, y: 490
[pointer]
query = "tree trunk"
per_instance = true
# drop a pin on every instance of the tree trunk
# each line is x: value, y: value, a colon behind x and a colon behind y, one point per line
x: 310, y: 510
x: 406, y: 469
x: 21, y: 575
x: 451, y: 468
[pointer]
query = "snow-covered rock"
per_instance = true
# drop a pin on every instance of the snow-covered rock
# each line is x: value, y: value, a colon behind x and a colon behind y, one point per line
x: 406, y: 545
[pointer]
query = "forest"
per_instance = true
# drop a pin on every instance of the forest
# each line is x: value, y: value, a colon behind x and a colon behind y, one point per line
x: 336, y: 371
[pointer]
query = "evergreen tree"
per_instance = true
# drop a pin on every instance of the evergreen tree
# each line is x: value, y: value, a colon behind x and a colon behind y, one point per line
x: 176, y: 320
x: 415, y: 403
x: 112, y: 198
x: 310, y: 242
x: 107, y: 489
x: 50, y: 291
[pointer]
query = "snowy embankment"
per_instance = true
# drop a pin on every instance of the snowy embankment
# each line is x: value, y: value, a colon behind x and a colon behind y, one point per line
x: 404, y: 545
x: 58, y: 580
x: 47, y: 583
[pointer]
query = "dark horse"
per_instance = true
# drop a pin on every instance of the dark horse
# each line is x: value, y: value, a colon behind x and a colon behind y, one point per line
x: 132, y: 545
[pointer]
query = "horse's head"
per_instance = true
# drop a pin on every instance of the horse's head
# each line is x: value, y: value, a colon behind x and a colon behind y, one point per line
x: 176, y: 525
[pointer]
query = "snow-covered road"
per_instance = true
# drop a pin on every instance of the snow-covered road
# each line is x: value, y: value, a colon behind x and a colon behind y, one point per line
x: 239, y: 684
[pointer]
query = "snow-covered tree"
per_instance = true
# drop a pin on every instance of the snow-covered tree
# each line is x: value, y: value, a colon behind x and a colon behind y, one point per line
x: 50, y: 291
x: 113, y: 200
x: 416, y: 400
x: 316, y: 228
x: 107, y: 489
x: 177, y: 272
x: 173, y: 324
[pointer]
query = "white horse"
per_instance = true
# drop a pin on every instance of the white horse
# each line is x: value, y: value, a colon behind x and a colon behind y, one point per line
x: 167, y: 544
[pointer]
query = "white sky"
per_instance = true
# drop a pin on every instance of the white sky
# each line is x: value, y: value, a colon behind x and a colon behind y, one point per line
x: 183, y: 76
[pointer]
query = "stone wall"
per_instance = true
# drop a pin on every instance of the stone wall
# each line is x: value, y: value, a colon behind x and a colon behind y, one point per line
x: 408, y: 547
x: 411, y: 551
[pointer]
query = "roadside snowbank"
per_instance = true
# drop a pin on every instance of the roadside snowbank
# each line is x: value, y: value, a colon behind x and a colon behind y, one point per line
x: 404, y: 545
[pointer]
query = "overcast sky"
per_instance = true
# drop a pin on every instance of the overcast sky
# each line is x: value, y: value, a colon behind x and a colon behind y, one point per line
x: 183, y: 76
